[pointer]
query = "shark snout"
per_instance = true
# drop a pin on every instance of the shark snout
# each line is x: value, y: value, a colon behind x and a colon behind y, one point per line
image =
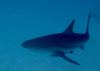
x: 25, y: 44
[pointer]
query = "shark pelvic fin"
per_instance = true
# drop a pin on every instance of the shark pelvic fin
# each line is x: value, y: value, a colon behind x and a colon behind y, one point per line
x: 70, y: 27
x: 63, y: 56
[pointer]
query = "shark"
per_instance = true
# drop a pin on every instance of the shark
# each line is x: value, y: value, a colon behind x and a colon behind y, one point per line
x: 59, y: 44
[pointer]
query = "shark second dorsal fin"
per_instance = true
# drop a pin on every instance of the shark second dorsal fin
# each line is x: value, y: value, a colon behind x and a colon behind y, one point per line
x: 69, y: 29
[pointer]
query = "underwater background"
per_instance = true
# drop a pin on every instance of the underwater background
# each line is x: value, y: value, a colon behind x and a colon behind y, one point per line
x: 25, y: 19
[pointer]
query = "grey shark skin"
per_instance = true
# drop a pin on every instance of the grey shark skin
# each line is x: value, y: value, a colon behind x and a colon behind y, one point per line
x: 59, y: 44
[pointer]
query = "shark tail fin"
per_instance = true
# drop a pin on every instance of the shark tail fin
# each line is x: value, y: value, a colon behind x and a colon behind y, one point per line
x: 88, y: 21
x: 70, y: 27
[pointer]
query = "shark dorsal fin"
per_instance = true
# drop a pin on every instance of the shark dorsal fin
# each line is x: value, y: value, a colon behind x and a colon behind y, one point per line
x: 69, y: 29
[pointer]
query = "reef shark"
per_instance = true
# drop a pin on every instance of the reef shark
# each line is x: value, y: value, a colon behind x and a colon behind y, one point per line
x: 60, y: 44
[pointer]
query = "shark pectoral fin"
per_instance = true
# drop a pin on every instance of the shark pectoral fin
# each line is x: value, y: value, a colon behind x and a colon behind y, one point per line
x: 70, y: 60
x: 82, y: 47
x: 63, y: 56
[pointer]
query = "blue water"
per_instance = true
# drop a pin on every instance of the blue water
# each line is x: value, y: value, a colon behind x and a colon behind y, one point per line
x: 25, y: 19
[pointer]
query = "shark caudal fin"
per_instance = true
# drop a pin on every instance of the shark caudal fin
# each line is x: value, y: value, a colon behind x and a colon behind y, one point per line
x: 88, y: 21
x: 69, y: 29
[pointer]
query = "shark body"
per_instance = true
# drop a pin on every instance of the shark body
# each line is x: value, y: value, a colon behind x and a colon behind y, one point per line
x: 59, y: 44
